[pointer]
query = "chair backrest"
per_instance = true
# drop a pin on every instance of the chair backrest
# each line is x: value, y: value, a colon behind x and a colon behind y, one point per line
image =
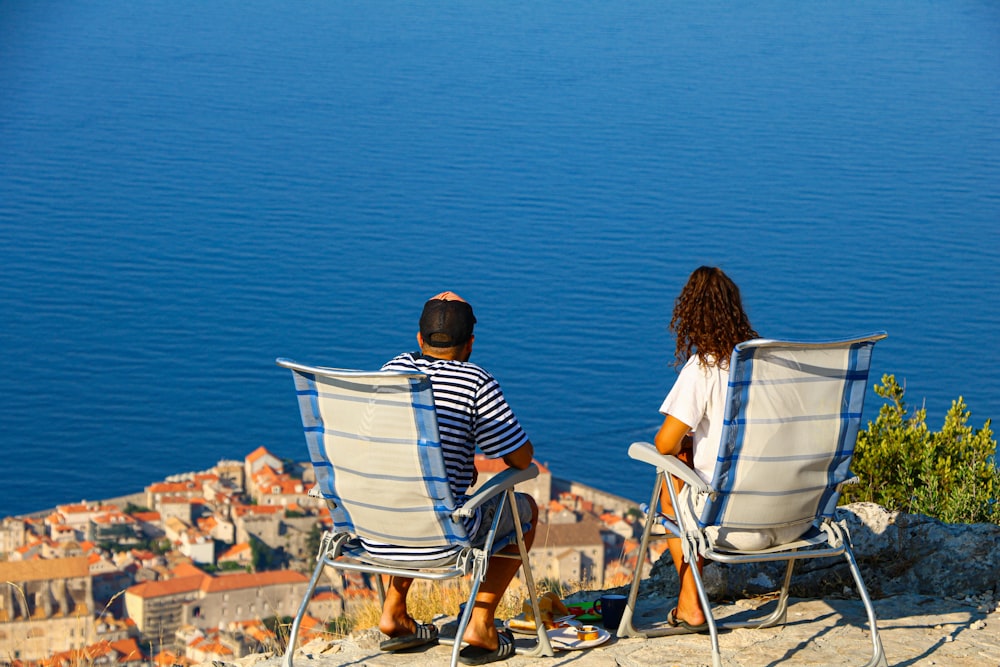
x: 373, y: 442
x: 792, y: 415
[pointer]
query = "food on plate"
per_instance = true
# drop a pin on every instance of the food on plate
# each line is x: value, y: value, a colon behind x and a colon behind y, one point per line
x: 521, y: 624
x: 550, y: 607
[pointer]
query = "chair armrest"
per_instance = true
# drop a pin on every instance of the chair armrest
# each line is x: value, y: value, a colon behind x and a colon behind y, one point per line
x: 646, y: 452
x: 499, y: 483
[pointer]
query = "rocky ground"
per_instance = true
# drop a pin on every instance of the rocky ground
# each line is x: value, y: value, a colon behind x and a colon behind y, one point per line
x: 936, y: 588
x: 916, y: 630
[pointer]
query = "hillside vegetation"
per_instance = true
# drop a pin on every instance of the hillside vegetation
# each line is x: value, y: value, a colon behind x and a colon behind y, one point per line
x: 949, y: 474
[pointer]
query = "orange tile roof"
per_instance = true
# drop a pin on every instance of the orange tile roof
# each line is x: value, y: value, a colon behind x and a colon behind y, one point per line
x: 158, y: 589
x: 128, y: 649
x: 177, y: 500
x: 258, y: 453
x: 243, y: 510
x: 206, y: 524
x: 170, y: 487
x: 165, y: 658
x: 40, y: 570
x: 212, y: 646
x: 326, y: 595
x: 113, y: 517
x: 252, y: 580
x: 235, y: 550
x: 73, y: 509
x: 187, y: 569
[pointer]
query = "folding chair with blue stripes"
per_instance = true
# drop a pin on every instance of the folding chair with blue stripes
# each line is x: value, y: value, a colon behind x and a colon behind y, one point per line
x: 792, y: 415
x: 373, y: 443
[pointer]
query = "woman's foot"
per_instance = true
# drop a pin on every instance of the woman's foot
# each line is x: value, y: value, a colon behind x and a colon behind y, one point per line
x: 675, y: 621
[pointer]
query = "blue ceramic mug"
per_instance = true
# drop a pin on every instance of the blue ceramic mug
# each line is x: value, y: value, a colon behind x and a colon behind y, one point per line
x: 611, y: 607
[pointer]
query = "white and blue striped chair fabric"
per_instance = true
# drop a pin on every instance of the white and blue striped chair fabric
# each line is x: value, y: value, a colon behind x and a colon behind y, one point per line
x: 792, y: 416
x: 373, y: 442
x: 791, y: 419
x: 374, y: 446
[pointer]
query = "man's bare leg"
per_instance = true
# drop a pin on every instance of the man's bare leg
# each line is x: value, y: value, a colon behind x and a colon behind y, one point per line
x: 481, y: 631
x: 395, y: 620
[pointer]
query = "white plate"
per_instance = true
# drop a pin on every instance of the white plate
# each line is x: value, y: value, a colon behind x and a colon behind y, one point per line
x: 532, y: 631
x: 566, y: 639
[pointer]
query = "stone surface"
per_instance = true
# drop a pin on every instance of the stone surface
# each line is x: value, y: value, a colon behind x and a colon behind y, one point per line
x: 935, y: 584
x: 915, y: 631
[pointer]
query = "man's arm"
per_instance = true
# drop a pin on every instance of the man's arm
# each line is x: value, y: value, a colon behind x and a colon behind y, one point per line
x: 521, y: 457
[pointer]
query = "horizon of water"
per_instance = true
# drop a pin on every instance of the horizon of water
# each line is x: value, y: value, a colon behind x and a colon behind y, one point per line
x: 191, y: 190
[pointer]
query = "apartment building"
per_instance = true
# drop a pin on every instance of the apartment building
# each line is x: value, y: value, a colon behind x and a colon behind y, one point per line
x: 46, y: 605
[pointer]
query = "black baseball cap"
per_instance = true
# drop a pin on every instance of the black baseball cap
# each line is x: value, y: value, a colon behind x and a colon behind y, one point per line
x: 446, y: 321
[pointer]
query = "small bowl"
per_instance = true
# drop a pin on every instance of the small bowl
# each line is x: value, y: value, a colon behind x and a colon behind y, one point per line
x: 586, y: 633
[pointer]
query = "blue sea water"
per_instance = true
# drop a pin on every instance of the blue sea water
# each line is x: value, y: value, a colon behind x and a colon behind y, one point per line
x: 189, y: 190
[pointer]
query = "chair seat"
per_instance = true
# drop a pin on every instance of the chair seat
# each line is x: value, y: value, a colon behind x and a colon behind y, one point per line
x: 810, y: 541
x: 354, y: 550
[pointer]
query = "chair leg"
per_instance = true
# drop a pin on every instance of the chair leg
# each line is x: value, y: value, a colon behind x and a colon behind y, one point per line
x: 706, y: 606
x: 324, y: 549
x: 878, y: 652
x: 780, y: 615
x: 380, y: 587
x: 463, y: 619
x: 544, y: 646
x: 627, y: 626
x: 776, y: 617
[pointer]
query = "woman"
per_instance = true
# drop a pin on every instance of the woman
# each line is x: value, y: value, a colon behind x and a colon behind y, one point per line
x: 708, y: 321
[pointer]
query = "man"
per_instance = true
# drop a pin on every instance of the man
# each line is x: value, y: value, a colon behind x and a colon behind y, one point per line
x: 471, y: 411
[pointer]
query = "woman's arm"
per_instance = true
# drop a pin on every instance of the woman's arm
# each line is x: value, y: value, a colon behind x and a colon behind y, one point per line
x: 670, y: 437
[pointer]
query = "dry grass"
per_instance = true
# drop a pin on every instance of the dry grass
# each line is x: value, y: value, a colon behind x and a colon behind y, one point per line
x: 428, y: 599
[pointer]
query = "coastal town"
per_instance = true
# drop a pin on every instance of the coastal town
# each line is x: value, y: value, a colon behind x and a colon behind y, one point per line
x: 206, y: 566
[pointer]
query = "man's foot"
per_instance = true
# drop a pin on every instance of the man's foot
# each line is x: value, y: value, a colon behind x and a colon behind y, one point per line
x: 477, y: 655
x: 421, y: 635
x: 675, y: 622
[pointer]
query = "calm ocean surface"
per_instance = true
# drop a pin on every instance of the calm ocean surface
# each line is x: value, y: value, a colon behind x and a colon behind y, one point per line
x: 189, y: 190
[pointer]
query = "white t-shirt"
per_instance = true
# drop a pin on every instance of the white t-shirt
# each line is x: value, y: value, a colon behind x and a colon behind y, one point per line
x: 698, y: 398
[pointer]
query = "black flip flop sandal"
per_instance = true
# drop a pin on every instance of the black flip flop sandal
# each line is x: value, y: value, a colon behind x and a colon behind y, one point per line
x: 477, y: 655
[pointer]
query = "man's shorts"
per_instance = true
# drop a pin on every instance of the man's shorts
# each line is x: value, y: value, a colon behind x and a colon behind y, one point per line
x: 489, y: 510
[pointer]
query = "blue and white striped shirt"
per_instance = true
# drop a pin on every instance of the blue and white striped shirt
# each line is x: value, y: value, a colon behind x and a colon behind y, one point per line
x: 471, y: 411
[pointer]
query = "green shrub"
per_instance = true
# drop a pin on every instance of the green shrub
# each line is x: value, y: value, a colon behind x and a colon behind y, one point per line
x: 950, y: 475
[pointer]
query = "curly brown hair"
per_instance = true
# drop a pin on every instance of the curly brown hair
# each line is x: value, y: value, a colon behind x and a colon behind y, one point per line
x: 708, y: 318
